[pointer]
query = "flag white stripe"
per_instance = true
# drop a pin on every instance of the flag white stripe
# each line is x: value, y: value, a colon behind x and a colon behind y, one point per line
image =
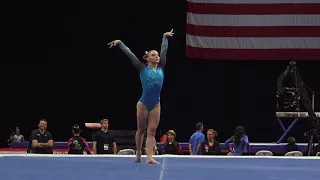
x: 253, y: 43
x: 252, y: 20
x: 254, y: 1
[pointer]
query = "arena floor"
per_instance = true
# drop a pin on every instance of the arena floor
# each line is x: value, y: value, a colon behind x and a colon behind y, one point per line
x: 114, y: 167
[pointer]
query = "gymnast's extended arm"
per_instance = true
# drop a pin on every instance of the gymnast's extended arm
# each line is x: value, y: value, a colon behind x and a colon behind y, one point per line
x: 133, y: 58
x: 163, y: 52
x: 164, y: 48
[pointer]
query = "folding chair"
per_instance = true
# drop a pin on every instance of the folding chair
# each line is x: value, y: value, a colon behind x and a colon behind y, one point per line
x: 294, y: 153
x: 264, y: 153
x: 126, y: 152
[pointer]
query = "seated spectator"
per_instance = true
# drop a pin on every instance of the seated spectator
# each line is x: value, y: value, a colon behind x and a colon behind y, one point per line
x: 77, y: 144
x: 210, y: 146
x: 291, y: 146
x: 240, y: 142
x: 171, y: 146
x: 17, y: 136
x: 41, y: 139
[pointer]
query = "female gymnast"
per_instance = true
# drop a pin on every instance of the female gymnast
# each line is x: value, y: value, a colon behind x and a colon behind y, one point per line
x: 148, y: 106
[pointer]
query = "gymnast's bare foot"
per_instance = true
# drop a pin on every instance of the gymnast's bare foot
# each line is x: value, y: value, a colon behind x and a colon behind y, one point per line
x: 138, y: 157
x: 152, y: 161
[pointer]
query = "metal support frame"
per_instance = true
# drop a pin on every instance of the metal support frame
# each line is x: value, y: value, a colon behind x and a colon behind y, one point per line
x: 300, y: 89
x: 286, y: 131
x: 296, y: 115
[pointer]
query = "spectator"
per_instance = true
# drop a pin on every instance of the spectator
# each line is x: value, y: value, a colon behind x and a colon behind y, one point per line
x: 171, y: 146
x: 196, y: 138
x: 17, y: 136
x: 103, y: 140
x: 291, y: 146
x: 77, y: 144
x: 163, y: 138
x: 41, y: 139
x: 210, y: 146
x: 240, y: 142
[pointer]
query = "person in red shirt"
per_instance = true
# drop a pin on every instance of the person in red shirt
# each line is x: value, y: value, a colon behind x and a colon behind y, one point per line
x: 164, y: 138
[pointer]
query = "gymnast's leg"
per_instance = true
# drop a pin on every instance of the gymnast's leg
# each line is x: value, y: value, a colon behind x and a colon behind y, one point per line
x: 142, y: 118
x: 153, y: 122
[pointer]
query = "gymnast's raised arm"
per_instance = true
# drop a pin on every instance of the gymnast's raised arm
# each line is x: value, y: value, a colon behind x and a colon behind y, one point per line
x: 135, y: 61
x: 164, y: 48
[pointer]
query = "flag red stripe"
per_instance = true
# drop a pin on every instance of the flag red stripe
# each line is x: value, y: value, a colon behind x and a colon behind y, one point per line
x: 253, y: 9
x: 253, y: 54
x: 254, y: 31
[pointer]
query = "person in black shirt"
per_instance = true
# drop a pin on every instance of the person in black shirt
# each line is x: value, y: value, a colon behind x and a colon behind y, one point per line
x: 291, y: 146
x: 171, y: 146
x: 103, y: 140
x: 77, y: 144
x: 210, y: 146
x: 42, y: 142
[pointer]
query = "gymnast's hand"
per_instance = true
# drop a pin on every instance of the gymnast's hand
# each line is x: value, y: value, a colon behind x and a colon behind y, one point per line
x: 114, y: 43
x: 169, y: 33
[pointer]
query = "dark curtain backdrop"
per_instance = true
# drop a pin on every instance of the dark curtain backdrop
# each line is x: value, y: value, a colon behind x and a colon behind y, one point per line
x: 56, y: 66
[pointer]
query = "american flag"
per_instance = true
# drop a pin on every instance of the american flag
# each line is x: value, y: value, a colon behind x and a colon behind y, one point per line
x: 253, y: 29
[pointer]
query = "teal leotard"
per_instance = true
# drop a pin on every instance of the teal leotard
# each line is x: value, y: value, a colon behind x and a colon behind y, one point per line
x: 151, y: 80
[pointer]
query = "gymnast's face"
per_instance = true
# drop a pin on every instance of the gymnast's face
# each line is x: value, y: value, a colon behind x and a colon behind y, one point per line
x: 153, y: 57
